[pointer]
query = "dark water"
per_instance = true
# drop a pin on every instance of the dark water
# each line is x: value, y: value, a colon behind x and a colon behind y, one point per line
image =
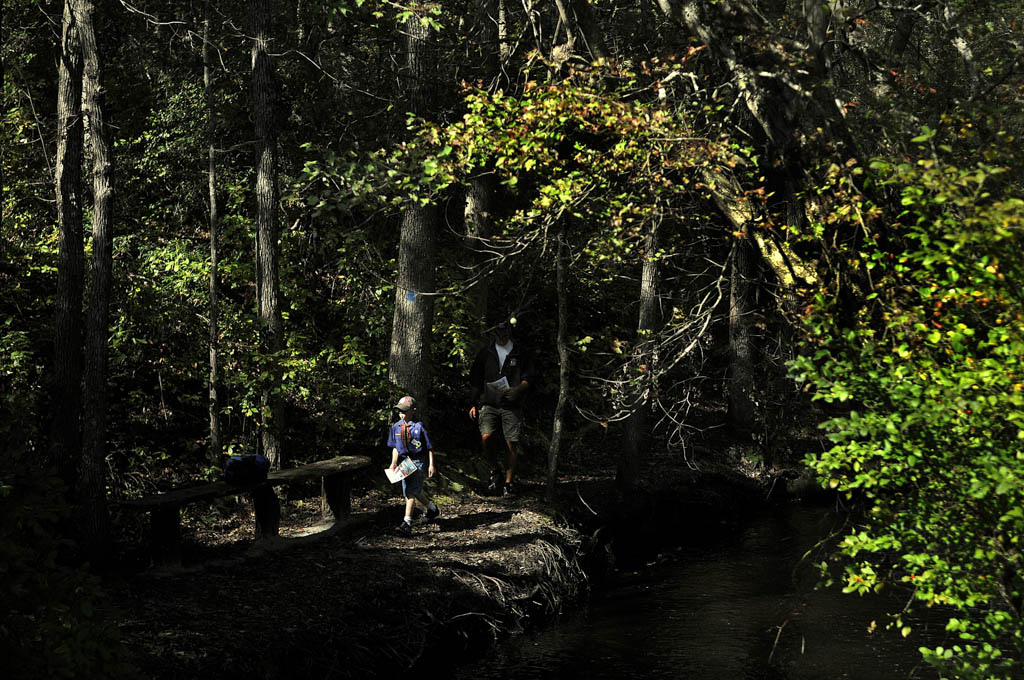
x: 742, y: 609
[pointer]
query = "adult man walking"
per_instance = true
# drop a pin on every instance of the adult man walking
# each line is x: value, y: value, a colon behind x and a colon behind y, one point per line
x: 500, y: 378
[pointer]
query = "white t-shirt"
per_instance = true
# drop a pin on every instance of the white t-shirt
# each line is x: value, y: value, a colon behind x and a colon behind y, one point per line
x: 502, y: 352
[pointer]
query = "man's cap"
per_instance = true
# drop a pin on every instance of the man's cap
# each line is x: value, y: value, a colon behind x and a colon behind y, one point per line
x: 506, y: 324
x: 406, y: 403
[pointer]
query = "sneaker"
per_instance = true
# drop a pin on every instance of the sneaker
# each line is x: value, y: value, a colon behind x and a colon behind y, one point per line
x: 431, y: 515
x: 511, y: 488
x: 404, y: 529
x: 496, y: 486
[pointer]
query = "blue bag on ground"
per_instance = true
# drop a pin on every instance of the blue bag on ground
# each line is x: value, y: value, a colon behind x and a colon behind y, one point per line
x: 251, y: 468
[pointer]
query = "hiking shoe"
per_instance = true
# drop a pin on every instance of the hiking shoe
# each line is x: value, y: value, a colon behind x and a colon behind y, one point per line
x: 511, y: 488
x: 496, y: 486
x: 431, y: 515
x: 404, y: 529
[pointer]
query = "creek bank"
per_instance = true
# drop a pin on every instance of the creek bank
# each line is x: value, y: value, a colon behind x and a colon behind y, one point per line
x: 360, y: 602
x: 684, y: 508
x: 354, y: 602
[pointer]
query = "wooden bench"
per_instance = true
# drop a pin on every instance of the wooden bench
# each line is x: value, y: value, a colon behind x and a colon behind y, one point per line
x: 165, y: 508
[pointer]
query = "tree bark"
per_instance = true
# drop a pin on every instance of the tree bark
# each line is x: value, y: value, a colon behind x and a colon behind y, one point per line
x: 94, y: 519
x: 782, y: 100
x: 568, y: 21
x: 489, y: 27
x: 68, y: 314
x: 817, y: 28
x: 790, y: 271
x: 562, y: 342
x: 578, y: 19
x: 972, y: 71
x: 631, y: 458
x: 479, y: 196
x: 490, y: 31
x: 904, y: 29
x: 743, y: 284
x: 214, y: 451
x: 267, y: 294
x: 504, y: 49
x: 691, y: 14
x: 410, y: 360
x: 589, y: 29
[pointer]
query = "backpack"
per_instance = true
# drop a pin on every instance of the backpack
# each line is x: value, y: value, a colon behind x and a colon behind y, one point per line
x: 251, y: 468
x: 411, y: 435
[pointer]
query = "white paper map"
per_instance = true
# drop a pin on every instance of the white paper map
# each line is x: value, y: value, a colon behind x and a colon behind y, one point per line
x: 498, y: 387
x: 404, y: 469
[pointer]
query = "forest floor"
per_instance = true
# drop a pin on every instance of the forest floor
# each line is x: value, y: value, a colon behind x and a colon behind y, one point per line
x: 357, y: 600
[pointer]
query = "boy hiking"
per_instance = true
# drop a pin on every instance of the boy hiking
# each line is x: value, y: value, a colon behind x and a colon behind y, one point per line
x: 408, y: 439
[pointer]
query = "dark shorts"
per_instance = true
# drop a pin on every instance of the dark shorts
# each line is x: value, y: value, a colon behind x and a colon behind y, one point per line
x: 493, y: 419
x: 413, y: 484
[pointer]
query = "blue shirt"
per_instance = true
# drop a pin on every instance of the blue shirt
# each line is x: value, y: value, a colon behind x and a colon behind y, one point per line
x: 418, y: 441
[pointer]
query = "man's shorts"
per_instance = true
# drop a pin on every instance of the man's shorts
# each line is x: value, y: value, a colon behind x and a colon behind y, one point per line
x: 493, y: 419
x: 413, y: 484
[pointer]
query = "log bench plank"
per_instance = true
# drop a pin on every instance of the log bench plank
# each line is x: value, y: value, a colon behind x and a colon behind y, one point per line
x: 336, y: 485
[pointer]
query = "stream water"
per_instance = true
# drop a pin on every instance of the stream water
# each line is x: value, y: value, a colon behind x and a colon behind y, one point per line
x: 743, y: 608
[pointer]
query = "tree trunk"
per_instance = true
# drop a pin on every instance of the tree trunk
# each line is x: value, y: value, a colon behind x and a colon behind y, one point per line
x: 691, y: 14
x: 480, y: 192
x: 905, y: 21
x: 490, y: 32
x: 214, y: 451
x: 783, y: 101
x: 504, y: 46
x: 301, y: 29
x: 817, y: 23
x: 972, y: 71
x: 568, y: 21
x: 589, y: 29
x: 93, y: 519
x: 68, y: 314
x: 410, y: 360
x: 781, y: 108
x: 631, y: 458
x: 650, y: 314
x: 479, y: 196
x: 562, y: 342
x: 267, y: 294
x: 743, y: 284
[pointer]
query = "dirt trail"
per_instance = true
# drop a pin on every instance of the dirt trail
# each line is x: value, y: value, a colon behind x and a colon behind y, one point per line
x: 355, y: 602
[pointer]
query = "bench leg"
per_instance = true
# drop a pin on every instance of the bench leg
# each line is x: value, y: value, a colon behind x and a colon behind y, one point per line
x: 165, y: 532
x: 336, y: 496
x: 268, y: 511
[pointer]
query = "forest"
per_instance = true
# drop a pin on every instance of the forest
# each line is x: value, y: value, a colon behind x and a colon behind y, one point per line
x: 251, y: 226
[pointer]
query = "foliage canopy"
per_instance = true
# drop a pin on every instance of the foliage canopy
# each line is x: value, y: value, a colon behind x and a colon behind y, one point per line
x: 933, y: 448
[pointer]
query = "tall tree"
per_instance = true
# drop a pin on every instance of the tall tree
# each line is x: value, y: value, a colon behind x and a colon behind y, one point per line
x: 93, y: 519
x: 562, y: 343
x: 589, y: 28
x: 267, y: 230
x: 214, y: 450
x: 636, y: 421
x: 410, y: 360
x: 577, y: 18
x: 489, y: 33
x: 742, y: 291
x: 68, y: 321
x: 795, y: 116
x: 479, y: 204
